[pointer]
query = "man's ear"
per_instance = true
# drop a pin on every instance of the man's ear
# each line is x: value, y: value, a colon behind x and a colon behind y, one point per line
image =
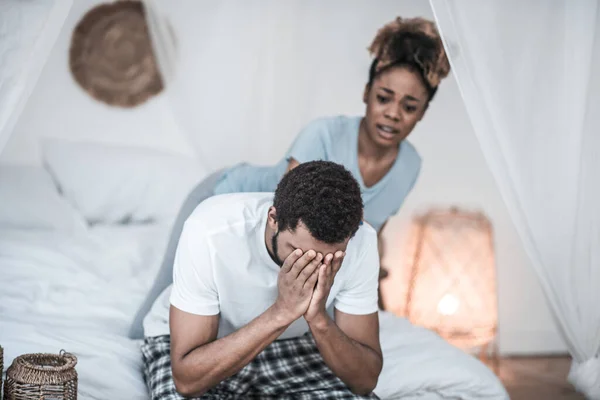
x: 272, y: 218
x: 366, y: 93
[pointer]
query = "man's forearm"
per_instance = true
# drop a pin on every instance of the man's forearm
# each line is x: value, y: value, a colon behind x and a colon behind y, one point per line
x: 206, y: 366
x: 357, y: 365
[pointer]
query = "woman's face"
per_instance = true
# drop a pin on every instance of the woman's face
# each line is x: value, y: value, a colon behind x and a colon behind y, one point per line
x: 396, y: 101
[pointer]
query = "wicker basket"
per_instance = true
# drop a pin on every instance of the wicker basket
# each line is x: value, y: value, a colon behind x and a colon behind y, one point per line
x: 42, y: 376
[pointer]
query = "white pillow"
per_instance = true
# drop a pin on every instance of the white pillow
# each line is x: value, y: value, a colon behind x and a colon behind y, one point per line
x: 120, y: 184
x: 29, y: 200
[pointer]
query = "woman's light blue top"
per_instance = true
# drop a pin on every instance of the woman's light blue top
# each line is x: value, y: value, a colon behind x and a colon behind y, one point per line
x: 334, y: 139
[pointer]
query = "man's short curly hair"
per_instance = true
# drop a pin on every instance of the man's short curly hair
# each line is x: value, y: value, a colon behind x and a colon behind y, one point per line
x: 324, y: 196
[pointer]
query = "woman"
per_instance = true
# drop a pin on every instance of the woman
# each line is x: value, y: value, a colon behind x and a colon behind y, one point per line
x: 409, y: 63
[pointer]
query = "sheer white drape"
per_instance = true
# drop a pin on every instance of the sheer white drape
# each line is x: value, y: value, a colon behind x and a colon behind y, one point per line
x: 28, y: 30
x: 527, y: 72
x: 162, y: 39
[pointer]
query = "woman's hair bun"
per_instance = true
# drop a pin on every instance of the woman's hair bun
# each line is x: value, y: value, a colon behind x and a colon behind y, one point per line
x: 412, y: 40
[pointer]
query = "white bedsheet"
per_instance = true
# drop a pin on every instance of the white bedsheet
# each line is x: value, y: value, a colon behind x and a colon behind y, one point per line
x: 80, y: 294
x: 418, y: 364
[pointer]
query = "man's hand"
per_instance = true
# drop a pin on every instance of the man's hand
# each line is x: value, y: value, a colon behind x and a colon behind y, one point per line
x: 327, y: 272
x: 296, y: 283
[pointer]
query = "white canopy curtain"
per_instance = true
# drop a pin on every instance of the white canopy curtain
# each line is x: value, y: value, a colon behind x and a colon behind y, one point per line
x: 527, y: 71
x: 28, y: 30
x: 243, y: 77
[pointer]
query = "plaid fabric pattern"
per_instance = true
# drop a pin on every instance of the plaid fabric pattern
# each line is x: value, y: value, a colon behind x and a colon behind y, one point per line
x: 286, y: 369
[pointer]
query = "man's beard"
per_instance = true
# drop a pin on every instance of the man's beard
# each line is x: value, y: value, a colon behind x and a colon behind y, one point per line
x: 274, y: 255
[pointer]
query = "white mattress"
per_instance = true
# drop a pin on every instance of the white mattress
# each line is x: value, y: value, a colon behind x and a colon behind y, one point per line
x: 81, y: 293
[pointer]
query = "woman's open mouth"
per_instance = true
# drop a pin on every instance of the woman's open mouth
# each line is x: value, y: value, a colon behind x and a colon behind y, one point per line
x: 387, y: 132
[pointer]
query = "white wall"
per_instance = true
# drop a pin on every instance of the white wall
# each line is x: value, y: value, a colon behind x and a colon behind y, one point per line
x: 454, y: 172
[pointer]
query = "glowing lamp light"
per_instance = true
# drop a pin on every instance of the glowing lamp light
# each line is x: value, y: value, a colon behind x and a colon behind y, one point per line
x: 448, y: 305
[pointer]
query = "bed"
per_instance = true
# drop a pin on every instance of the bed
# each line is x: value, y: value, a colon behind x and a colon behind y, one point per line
x: 66, y: 283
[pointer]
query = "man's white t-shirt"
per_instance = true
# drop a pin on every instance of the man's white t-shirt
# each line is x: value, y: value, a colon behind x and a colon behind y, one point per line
x: 222, y: 266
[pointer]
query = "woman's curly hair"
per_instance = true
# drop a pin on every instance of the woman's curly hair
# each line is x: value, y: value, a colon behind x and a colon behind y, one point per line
x: 324, y: 196
x: 414, y: 43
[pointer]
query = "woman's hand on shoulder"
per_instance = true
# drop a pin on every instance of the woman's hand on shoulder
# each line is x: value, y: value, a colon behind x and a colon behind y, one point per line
x: 291, y: 165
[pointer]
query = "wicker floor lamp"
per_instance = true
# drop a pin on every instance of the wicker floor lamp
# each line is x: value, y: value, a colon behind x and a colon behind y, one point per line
x: 452, y: 282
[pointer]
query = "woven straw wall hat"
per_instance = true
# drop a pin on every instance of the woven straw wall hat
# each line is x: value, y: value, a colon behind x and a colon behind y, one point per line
x: 111, y: 55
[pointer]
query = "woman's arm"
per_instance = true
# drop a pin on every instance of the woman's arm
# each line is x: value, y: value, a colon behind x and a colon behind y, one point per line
x: 383, y: 272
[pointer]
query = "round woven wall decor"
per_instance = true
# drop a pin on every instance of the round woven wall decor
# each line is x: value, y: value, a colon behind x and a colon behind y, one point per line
x: 111, y: 55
